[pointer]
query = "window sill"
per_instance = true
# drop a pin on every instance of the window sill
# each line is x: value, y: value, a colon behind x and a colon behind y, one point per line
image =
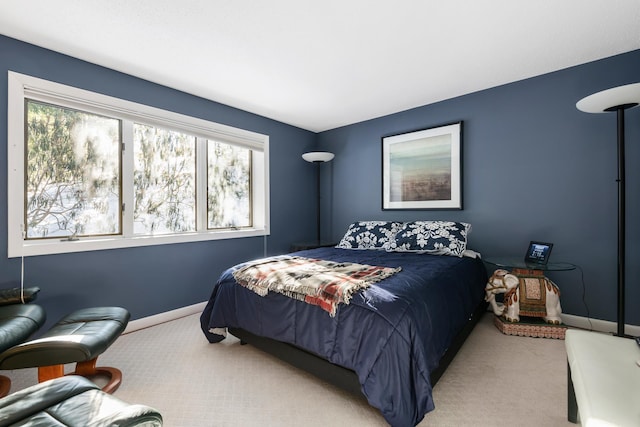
x: 60, y: 246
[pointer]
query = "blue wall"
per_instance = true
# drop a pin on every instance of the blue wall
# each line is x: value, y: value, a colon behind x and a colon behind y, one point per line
x: 150, y: 280
x: 534, y: 168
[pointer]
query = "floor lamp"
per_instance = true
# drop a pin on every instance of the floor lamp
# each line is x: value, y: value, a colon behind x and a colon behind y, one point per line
x: 318, y: 157
x: 616, y: 99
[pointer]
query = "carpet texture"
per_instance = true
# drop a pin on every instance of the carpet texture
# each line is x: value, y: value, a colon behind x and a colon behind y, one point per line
x: 494, y: 380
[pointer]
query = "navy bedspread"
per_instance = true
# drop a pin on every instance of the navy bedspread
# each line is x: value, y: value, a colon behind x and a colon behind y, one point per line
x: 392, y: 334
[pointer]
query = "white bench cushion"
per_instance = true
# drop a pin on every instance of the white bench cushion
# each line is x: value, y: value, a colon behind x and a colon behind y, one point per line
x: 606, y: 378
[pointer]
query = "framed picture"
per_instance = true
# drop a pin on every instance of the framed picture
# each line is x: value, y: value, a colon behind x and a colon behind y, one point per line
x: 538, y: 253
x: 423, y: 169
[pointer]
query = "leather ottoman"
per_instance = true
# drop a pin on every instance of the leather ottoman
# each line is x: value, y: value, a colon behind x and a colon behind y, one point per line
x: 80, y: 338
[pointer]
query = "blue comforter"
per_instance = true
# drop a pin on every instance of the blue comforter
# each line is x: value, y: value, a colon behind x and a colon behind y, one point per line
x: 392, y: 334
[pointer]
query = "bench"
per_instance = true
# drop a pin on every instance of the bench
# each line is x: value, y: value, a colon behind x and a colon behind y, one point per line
x: 603, y: 379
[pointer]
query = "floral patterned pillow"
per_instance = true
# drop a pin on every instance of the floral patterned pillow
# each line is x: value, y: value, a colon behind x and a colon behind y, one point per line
x: 370, y: 235
x: 434, y: 237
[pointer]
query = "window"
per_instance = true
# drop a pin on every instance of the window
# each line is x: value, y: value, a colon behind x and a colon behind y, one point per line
x: 228, y: 186
x: 72, y: 173
x: 164, y: 181
x: 90, y: 172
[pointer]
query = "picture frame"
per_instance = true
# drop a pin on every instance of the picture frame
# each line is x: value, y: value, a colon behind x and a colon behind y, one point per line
x: 538, y: 253
x: 423, y: 169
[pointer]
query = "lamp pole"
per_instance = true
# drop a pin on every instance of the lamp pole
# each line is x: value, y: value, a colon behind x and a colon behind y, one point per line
x: 622, y: 209
x: 621, y: 220
x: 318, y: 157
x: 318, y: 162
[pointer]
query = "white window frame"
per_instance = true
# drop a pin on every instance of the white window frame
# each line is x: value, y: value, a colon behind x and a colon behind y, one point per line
x: 21, y: 86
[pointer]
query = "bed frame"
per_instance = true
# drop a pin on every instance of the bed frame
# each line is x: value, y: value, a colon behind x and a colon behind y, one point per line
x: 339, y: 376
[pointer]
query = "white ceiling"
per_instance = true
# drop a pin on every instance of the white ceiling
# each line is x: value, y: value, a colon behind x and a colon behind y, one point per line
x: 327, y: 63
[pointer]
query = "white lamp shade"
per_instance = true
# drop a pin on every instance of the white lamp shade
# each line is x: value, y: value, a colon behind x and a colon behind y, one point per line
x: 318, y: 156
x: 603, y: 101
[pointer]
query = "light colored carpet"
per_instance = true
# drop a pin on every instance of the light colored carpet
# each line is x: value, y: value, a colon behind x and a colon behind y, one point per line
x: 494, y: 380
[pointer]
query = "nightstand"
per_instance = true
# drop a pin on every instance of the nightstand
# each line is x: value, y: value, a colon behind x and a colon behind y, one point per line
x: 303, y: 246
x: 531, y: 300
x: 518, y: 264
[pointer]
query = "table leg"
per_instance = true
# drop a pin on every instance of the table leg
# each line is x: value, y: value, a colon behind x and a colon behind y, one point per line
x: 572, y: 405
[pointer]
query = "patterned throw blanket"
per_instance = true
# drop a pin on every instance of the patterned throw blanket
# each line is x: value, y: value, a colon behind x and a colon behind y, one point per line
x: 318, y: 282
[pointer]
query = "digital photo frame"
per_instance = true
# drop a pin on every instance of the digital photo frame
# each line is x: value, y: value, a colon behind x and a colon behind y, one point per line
x: 538, y: 253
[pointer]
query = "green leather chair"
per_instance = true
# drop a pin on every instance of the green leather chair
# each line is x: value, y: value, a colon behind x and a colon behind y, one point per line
x: 79, y: 338
x: 18, y: 321
x: 72, y: 401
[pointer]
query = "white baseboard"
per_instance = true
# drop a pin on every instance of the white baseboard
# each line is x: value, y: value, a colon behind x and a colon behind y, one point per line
x: 167, y: 316
x: 598, y: 325
x: 567, y: 319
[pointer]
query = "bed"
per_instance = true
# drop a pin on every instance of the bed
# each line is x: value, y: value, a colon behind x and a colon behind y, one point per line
x: 394, y: 338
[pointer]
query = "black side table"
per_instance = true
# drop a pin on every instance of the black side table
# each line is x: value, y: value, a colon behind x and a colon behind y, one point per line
x: 303, y: 246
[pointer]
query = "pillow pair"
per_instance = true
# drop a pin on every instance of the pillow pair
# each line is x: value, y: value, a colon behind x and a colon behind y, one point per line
x: 434, y: 237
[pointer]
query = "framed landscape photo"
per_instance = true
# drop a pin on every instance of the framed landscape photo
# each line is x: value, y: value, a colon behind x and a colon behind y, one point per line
x: 423, y: 169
